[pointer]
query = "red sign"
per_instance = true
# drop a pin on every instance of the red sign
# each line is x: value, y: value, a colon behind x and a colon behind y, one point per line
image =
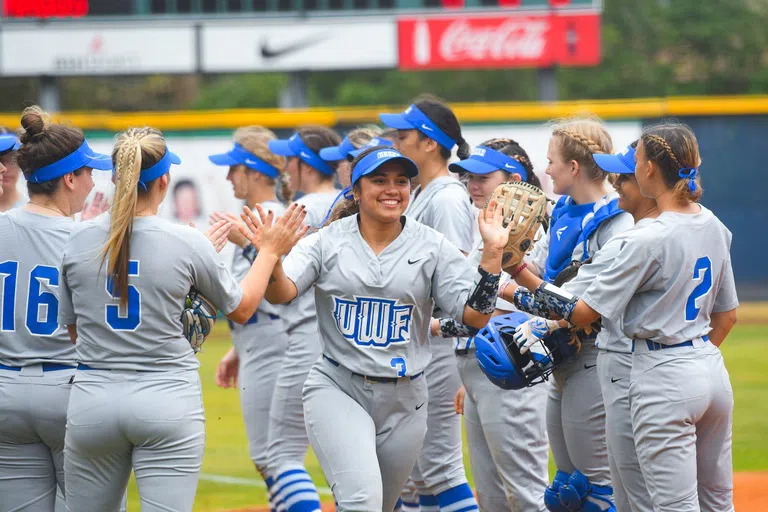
x: 475, y: 42
x: 44, y: 8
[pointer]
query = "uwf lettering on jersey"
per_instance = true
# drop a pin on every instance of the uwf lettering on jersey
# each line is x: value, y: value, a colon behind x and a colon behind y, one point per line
x: 373, y: 322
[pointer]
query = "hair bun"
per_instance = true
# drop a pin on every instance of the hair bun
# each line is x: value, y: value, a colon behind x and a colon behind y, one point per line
x: 34, y: 121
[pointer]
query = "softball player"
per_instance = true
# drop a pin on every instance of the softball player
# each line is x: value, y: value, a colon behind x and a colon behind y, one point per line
x: 36, y: 359
x: 10, y: 197
x: 672, y: 286
x: 584, y: 219
x: 427, y: 132
x: 342, y: 154
x: 506, y: 432
x: 292, y: 489
x: 253, y: 363
x: 377, y: 276
x: 136, y: 400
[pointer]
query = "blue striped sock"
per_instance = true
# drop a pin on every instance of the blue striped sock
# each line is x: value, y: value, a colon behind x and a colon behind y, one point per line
x: 294, y: 491
x: 409, y: 507
x: 270, y: 483
x: 457, y: 499
x: 428, y: 503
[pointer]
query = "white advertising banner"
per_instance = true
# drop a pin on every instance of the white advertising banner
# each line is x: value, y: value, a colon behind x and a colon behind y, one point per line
x: 84, y: 51
x: 299, y: 45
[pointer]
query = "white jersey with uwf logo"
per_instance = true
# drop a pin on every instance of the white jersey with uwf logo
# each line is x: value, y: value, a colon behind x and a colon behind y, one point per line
x: 374, y: 311
x: 667, y: 278
x: 30, y: 256
x: 166, y: 260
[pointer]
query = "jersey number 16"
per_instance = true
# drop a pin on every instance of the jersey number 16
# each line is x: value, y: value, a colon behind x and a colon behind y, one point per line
x: 36, y: 299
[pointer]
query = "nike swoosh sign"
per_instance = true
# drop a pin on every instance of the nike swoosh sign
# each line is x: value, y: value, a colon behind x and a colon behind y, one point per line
x: 411, y: 262
x: 614, y: 380
x: 271, y: 52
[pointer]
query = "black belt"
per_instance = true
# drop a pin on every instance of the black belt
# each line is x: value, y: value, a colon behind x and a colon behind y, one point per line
x: 462, y: 351
x: 390, y: 380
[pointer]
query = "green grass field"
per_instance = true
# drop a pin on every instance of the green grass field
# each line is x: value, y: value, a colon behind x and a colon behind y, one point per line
x: 229, y: 480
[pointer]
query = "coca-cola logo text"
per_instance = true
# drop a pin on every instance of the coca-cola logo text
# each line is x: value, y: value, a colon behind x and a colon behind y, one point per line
x: 512, y: 40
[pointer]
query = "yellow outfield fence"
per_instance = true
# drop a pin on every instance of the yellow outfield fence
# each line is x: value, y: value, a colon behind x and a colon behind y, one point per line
x: 494, y: 113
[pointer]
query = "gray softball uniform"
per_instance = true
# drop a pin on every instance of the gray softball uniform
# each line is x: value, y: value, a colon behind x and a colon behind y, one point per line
x: 506, y: 432
x: 575, y: 410
x: 667, y: 279
x: 365, y: 400
x: 260, y: 344
x: 288, y: 441
x: 136, y: 401
x: 37, y: 360
x: 614, y: 361
x: 443, y: 205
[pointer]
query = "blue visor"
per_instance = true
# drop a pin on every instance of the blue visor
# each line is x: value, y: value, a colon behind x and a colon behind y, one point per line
x: 238, y: 155
x: 161, y: 167
x: 620, y: 163
x: 294, y: 146
x: 485, y: 160
x: 376, y: 159
x: 9, y: 142
x: 83, y: 156
x: 336, y: 153
x: 375, y: 142
x: 415, y: 119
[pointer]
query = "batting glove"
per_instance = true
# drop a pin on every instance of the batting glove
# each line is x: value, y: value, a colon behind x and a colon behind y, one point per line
x: 534, y: 330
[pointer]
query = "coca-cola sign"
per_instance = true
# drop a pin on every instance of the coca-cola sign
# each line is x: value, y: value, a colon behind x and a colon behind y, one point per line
x: 467, y: 42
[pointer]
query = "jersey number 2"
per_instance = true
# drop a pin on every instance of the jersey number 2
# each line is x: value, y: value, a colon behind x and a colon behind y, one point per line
x: 36, y: 299
x: 131, y: 320
x: 701, y: 271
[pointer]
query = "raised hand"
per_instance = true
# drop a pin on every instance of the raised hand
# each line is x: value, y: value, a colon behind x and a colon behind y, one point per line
x: 491, y: 222
x: 279, y: 236
x: 236, y: 234
x: 217, y: 234
x: 99, y: 205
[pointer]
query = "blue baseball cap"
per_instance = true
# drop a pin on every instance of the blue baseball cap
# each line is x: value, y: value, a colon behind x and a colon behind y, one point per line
x: 336, y: 153
x: 294, y: 146
x: 485, y: 160
x: 238, y: 155
x: 376, y: 159
x: 161, y: 167
x: 83, y: 156
x: 620, y: 163
x: 375, y: 142
x: 415, y: 119
x: 9, y: 142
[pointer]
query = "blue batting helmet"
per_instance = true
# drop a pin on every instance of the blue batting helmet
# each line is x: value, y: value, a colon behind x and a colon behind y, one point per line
x: 500, y: 359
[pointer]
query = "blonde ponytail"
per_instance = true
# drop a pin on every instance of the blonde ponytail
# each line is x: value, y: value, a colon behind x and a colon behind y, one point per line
x: 135, y: 149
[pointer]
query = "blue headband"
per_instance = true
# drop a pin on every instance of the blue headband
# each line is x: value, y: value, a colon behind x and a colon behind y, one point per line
x: 620, y: 163
x: 336, y: 153
x: 690, y: 174
x: 9, y: 142
x: 83, y: 156
x: 294, y: 146
x: 238, y: 155
x: 485, y: 160
x: 161, y: 167
x: 371, y: 144
x: 415, y: 119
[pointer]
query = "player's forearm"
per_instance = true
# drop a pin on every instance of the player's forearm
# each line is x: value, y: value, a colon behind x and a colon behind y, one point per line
x: 450, y: 328
x: 475, y: 318
x: 280, y: 288
x: 491, y: 260
x: 721, y: 323
x: 527, y: 278
x: 550, y: 301
x: 254, y: 286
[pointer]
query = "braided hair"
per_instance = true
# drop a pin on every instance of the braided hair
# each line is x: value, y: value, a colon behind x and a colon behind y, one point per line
x: 673, y: 148
x: 515, y: 150
x: 579, y: 139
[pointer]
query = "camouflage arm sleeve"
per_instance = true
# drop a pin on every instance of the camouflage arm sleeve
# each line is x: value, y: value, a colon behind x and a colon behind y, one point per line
x: 483, y: 298
x: 450, y: 328
x: 547, y: 301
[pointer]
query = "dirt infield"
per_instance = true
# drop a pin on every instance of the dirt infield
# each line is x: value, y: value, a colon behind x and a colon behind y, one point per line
x: 751, y: 494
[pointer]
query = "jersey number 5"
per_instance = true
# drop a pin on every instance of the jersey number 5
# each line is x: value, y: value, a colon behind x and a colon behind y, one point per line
x: 703, y: 271
x: 131, y: 320
x: 9, y: 271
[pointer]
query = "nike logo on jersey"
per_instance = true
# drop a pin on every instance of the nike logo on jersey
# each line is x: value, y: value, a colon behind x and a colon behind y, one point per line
x: 268, y: 52
x: 560, y: 232
x: 420, y: 406
x: 371, y: 321
x: 411, y: 262
x: 615, y: 380
x: 587, y: 367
